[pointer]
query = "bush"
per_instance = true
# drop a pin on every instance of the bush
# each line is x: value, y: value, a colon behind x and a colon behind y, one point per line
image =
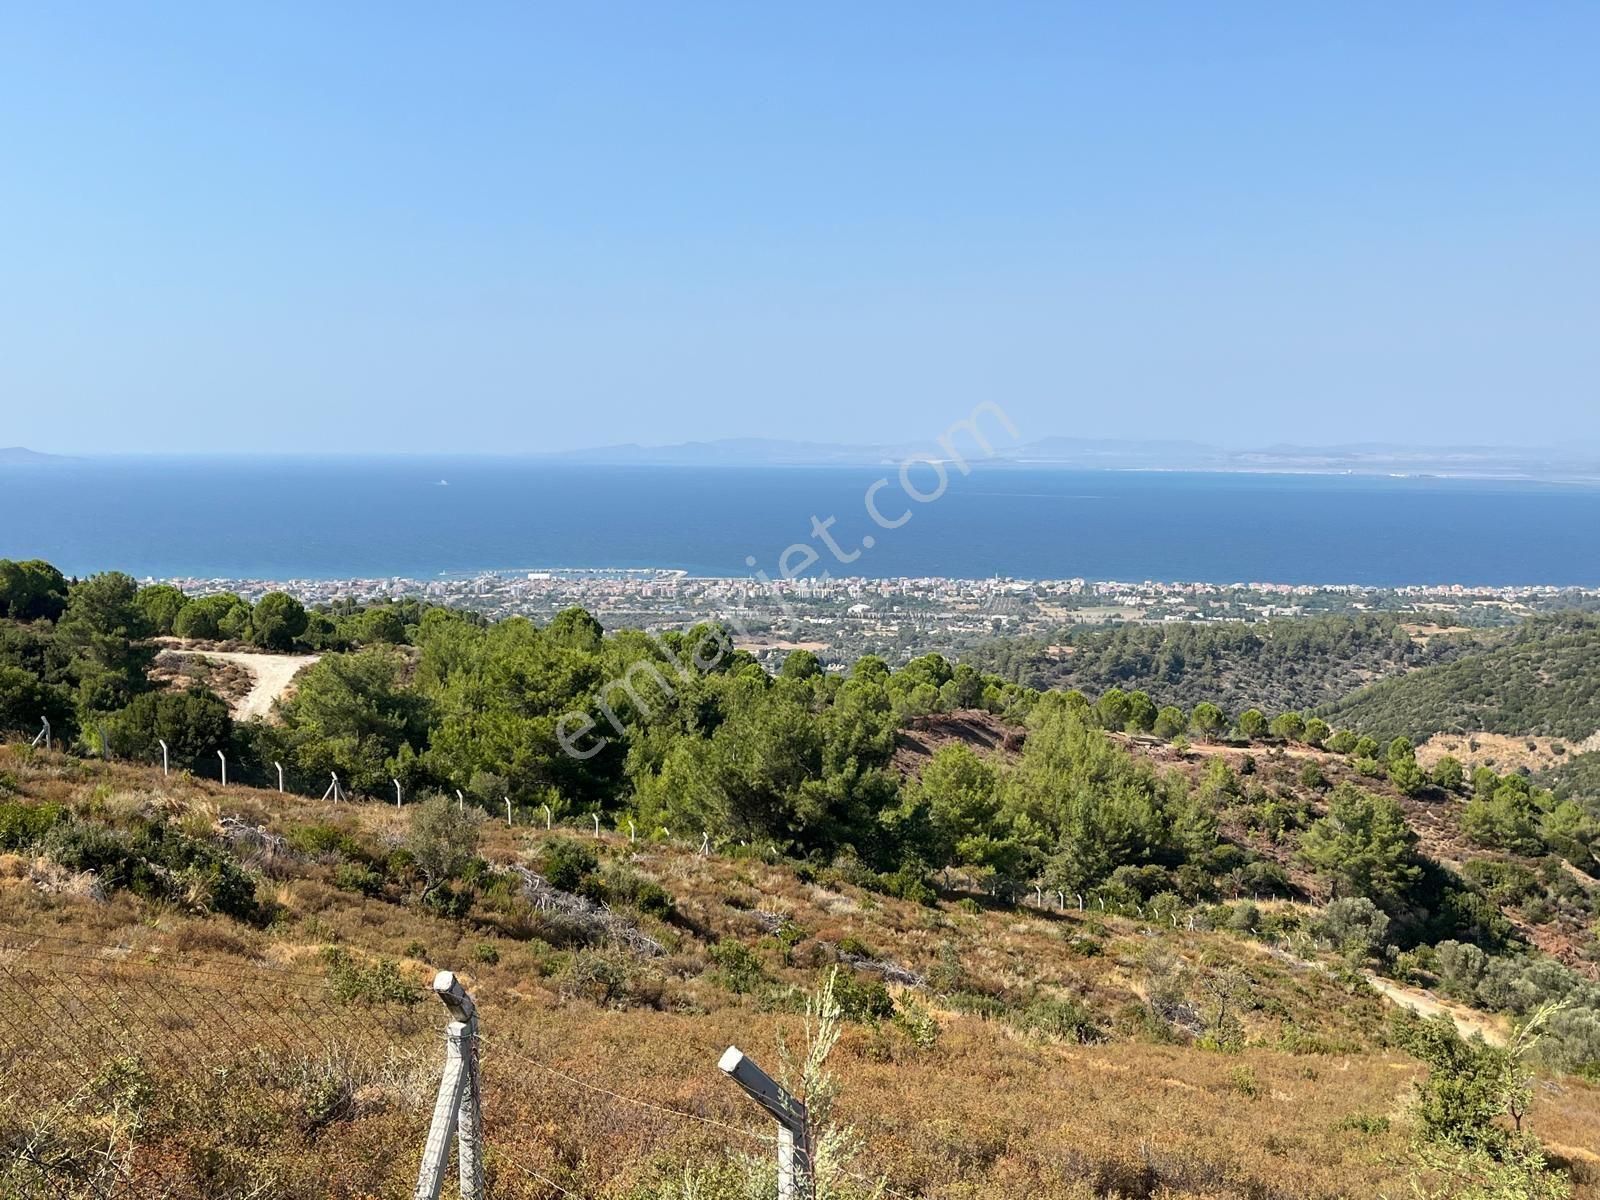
x: 862, y: 1000
x: 917, y: 1023
x: 1064, y: 1020
x: 194, y: 724
x: 448, y: 901
x: 1311, y: 777
x: 320, y: 840
x: 1353, y: 924
x: 443, y: 842
x: 854, y: 947
x: 354, y: 877
x: 622, y: 885
x: 601, y: 976
x: 24, y: 825
x: 738, y: 968
x: 567, y: 863
x: 353, y: 982
x: 156, y: 860
x: 1505, y: 882
x: 1244, y: 917
x: 1364, y: 1123
x: 1449, y: 774
x: 909, y: 881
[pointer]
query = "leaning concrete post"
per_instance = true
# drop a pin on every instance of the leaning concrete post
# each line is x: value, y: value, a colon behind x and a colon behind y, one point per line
x: 794, y: 1136
x: 458, y: 1109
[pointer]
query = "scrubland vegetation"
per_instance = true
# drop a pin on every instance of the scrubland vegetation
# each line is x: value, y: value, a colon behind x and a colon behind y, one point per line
x: 1285, y: 663
x: 1147, y: 928
x: 1541, y: 681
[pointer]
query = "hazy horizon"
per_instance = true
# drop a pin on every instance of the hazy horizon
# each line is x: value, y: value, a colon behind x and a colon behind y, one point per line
x: 1509, y: 448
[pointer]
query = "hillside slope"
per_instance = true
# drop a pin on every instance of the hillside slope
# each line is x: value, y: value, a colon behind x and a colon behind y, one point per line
x: 1279, y: 665
x: 1545, y: 680
x: 1198, y: 1061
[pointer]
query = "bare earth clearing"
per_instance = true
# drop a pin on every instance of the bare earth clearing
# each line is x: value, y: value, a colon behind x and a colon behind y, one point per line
x: 271, y: 675
x: 1503, y: 752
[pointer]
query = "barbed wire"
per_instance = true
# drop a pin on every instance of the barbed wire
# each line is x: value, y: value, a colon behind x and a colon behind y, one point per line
x: 878, y: 1184
x: 72, y: 1016
x: 668, y: 1110
x: 544, y: 1179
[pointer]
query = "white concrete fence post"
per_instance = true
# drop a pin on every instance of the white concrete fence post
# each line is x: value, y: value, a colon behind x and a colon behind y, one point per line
x: 794, y: 1135
x: 164, y: 771
x: 223, y: 759
x: 458, y: 1110
x: 279, y: 765
x: 43, y: 735
x: 508, y: 812
x: 461, y: 801
x: 399, y: 798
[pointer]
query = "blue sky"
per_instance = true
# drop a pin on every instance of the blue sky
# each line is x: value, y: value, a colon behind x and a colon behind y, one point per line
x: 374, y: 227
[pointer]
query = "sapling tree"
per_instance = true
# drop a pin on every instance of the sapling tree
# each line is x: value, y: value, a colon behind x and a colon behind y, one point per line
x: 834, y: 1147
x: 442, y: 842
x: 1472, y: 1090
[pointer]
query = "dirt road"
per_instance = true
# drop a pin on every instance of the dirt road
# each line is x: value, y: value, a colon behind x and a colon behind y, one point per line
x: 272, y: 674
x: 1468, y: 1021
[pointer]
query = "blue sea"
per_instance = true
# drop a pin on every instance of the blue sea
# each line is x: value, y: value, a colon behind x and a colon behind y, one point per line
x: 270, y: 518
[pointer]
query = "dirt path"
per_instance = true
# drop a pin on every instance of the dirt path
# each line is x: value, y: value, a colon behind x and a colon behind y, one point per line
x: 1427, y: 1004
x: 272, y: 674
x: 1468, y: 1021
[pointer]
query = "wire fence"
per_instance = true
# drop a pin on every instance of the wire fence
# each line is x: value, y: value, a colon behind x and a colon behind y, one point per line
x: 143, y: 1071
x: 132, y: 1071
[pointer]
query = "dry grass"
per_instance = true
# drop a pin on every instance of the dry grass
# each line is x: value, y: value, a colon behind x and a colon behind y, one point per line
x: 1505, y: 753
x: 984, y: 1111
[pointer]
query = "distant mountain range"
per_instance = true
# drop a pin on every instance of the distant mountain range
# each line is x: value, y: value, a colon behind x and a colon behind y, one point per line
x: 1372, y: 458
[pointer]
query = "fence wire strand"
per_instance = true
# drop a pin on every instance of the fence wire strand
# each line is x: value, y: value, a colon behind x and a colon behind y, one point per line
x: 92, y: 1035
x: 74, y: 1014
x: 654, y: 1106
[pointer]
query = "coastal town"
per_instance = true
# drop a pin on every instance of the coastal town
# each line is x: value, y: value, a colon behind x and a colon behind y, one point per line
x: 842, y: 618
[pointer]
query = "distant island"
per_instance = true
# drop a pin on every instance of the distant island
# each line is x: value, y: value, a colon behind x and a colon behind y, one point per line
x: 21, y: 456
x: 1580, y: 464
x: 1570, y: 464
